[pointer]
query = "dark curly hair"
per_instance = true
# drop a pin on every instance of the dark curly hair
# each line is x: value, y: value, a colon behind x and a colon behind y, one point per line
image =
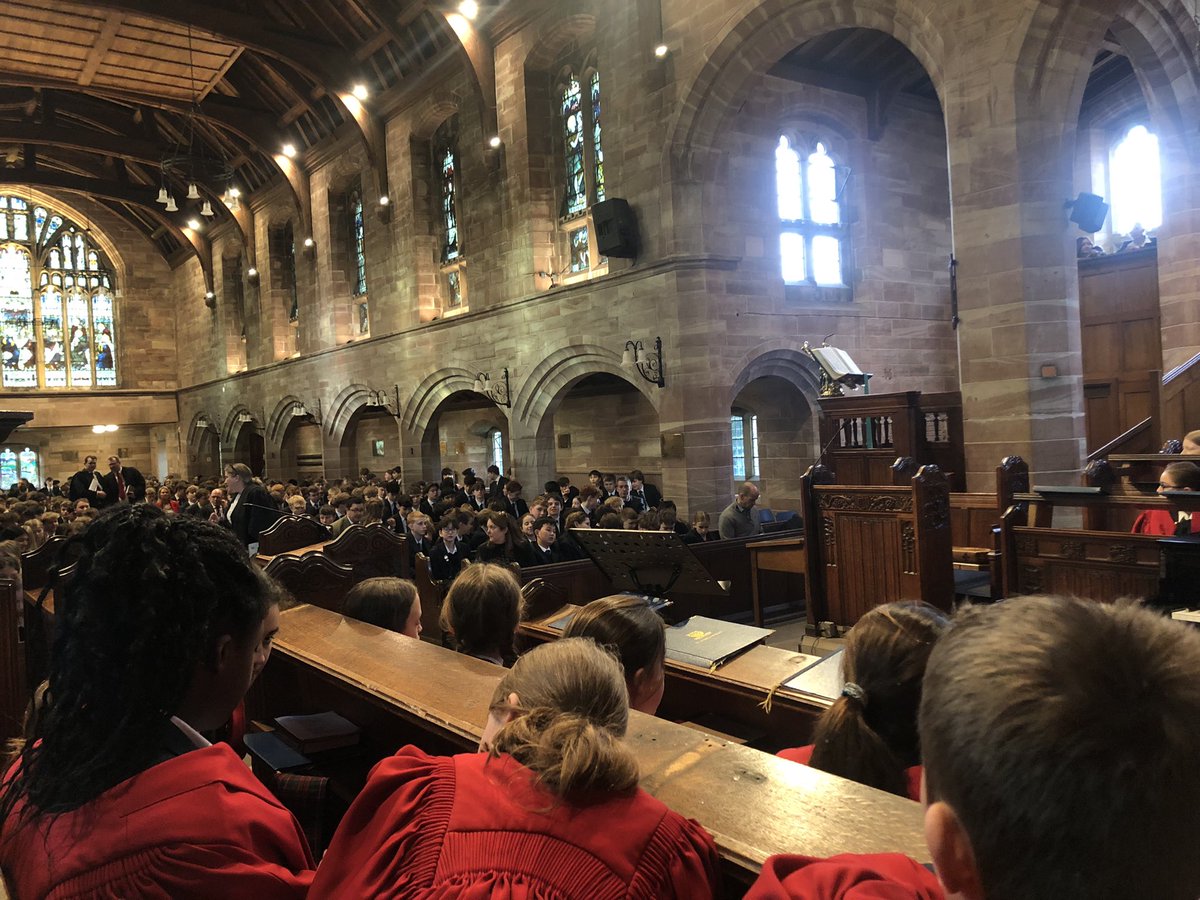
x: 149, y: 598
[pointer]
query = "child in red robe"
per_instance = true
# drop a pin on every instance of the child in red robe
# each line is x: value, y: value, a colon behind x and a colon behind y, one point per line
x: 550, y: 808
x: 117, y: 793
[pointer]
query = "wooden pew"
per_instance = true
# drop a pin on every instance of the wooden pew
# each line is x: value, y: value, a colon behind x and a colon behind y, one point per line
x: 36, y: 564
x: 14, y: 690
x: 1100, y: 565
x: 1132, y: 477
x: 432, y: 592
x: 399, y: 691
x: 975, y: 518
x: 371, y: 551
x: 730, y: 699
x: 313, y: 578
x: 290, y: 533
x: 871, y: 544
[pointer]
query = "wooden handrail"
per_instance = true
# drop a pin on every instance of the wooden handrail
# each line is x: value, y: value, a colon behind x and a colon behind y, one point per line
x: 1127, y: 435
x: 1180, y: 369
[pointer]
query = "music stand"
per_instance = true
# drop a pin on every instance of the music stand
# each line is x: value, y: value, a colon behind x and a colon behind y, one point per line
x: 653, y: 563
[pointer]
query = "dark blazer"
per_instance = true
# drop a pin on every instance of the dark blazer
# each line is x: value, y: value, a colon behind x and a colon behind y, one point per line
x: 80, y: 482
x: 254, y: 514
x: 415, y: 546
x: 542, y: 557
x: 518, y: 509
x: 652, y: 497
x: 444, y: 566
x: 135, y: 486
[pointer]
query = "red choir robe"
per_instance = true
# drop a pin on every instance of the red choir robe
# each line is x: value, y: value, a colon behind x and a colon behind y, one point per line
x: 803, y: 754
x: 475, y: 827
x: 849, y: 876
x: 1160, y: 522
x: 195, y: 825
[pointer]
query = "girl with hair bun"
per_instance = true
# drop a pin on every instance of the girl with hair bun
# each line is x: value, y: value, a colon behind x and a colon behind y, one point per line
x: 117, y: 793
x: 869, y: 734
x: 549, y: 807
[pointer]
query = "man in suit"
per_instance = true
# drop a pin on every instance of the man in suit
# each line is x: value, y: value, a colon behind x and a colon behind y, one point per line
x: 87, y: 484
x: 495, y: 482
x: 647, y: 496
x: 251, y: 511
x: 123, y: 484
x: 354, y: 514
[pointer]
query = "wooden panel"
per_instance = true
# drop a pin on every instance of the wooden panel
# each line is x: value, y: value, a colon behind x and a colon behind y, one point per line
x: 14, y: 693
x: 291, y: 533
x: 1102, y: 348
x: 1140, y: 345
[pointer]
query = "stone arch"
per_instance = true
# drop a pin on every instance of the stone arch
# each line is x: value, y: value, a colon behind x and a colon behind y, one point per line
x: 349, y: 400
x: 433, y: 111
x: 755, y: 41
x: 433, y: 390
x: 196, y: 431
x: 556, y: 36
x: 232, y: 426
x: 781, y: 361
x: 543, y: 389
x: 82, y: 217
x: 280, y: 418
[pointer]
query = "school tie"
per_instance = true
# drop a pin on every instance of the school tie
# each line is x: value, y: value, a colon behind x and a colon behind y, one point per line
x: 120, y: 486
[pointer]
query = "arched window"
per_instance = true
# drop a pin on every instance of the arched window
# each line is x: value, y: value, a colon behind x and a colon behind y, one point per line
x: 812, y: 233
x: 744, y: 427
x: 56, y: 302
x: 1135, y: 181
x: 17, y: 464
x: 578, y: 100
x: 496, y: 449
x: 445, y: 165
x: 287, y: 244
x: 358, y: 245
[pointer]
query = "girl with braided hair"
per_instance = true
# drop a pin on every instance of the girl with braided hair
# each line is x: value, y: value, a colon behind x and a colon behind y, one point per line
x: 869, y: 734
x: 116, y: 793
x: 549, y: 807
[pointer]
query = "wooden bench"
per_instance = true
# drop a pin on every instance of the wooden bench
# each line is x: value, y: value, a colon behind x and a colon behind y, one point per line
x: 400, y: 691
x: 1130, y: 477
x: 731, y: 699
x: 291, y: 533
x: 14, y: 689
x: 872, y: 544
x: 1100, y: 565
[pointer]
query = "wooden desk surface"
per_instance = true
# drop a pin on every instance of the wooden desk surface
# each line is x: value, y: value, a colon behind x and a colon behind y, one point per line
x: 753, y: 804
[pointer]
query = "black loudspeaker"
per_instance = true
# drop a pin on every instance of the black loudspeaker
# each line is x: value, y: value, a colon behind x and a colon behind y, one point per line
x: 1089, y: 211
x: 616, y: 228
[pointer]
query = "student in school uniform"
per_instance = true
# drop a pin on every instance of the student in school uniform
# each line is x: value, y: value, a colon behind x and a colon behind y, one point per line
x: 543, y: 548
x: 446, y: 556
x: 1059, y: 737
x: 116, y: 793
x: 549, y: 807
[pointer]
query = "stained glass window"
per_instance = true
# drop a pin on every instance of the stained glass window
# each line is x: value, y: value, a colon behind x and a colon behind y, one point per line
x: 449, y: 205
x: 597, y: 150
x: 364, y: 319
x: 9, y: 468
x: 744, y: 429
x: 454, y: 282
x: 60, y: 334
x: 288, y: 243
x: 358, y: 244
x: 579, y: 249
x: 27, y: 459
x: 1135, y: 182
x: 807, y: 198
x: 575, y: 200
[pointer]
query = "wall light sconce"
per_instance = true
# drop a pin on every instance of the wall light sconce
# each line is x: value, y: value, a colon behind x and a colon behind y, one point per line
x: 661, y: 51
x: 380, y: 400
x: 245, y: 418
x: 104, y: 429
x: 300, y: 410
x: 202, y: 423
x: 252, y: 274
x: 497, y: 392
x: 648, y: 365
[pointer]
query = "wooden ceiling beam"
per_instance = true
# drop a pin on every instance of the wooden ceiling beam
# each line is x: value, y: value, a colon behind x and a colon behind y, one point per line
x: 101, y: 46
x: 143, y: 198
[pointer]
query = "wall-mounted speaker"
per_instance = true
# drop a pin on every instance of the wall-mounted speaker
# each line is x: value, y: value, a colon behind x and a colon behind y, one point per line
x: 1088, y: 211
x: 616, y: 228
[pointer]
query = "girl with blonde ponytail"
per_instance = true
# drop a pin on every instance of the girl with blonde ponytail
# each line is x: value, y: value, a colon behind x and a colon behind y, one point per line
x: 869, y: 734
x: 549, y: 807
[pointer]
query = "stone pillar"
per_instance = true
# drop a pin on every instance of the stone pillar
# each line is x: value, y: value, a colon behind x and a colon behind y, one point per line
x: 1179, y: 255
x: 1010, y: 173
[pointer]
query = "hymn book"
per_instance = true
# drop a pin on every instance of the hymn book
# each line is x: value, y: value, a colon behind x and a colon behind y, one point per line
x: 318, y: 732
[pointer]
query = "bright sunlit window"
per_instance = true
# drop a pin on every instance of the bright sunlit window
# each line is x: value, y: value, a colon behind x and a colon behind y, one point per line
x: 810, y: 216
x: 1135, y: 182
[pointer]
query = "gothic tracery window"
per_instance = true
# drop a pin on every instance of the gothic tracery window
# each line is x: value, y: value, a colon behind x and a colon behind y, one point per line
x: 812, y: 231
x: 358, y: 244
x: 56, y: 302
x: 446, y: 169
x: 579, y: 116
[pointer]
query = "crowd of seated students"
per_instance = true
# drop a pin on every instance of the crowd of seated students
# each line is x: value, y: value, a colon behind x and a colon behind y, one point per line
x: 1042, y: 754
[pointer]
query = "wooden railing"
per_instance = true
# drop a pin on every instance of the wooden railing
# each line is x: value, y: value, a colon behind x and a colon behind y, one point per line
x: 1180, y: 398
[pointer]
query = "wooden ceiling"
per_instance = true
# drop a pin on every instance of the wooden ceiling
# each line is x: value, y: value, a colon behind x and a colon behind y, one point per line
x: 94, y: 95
